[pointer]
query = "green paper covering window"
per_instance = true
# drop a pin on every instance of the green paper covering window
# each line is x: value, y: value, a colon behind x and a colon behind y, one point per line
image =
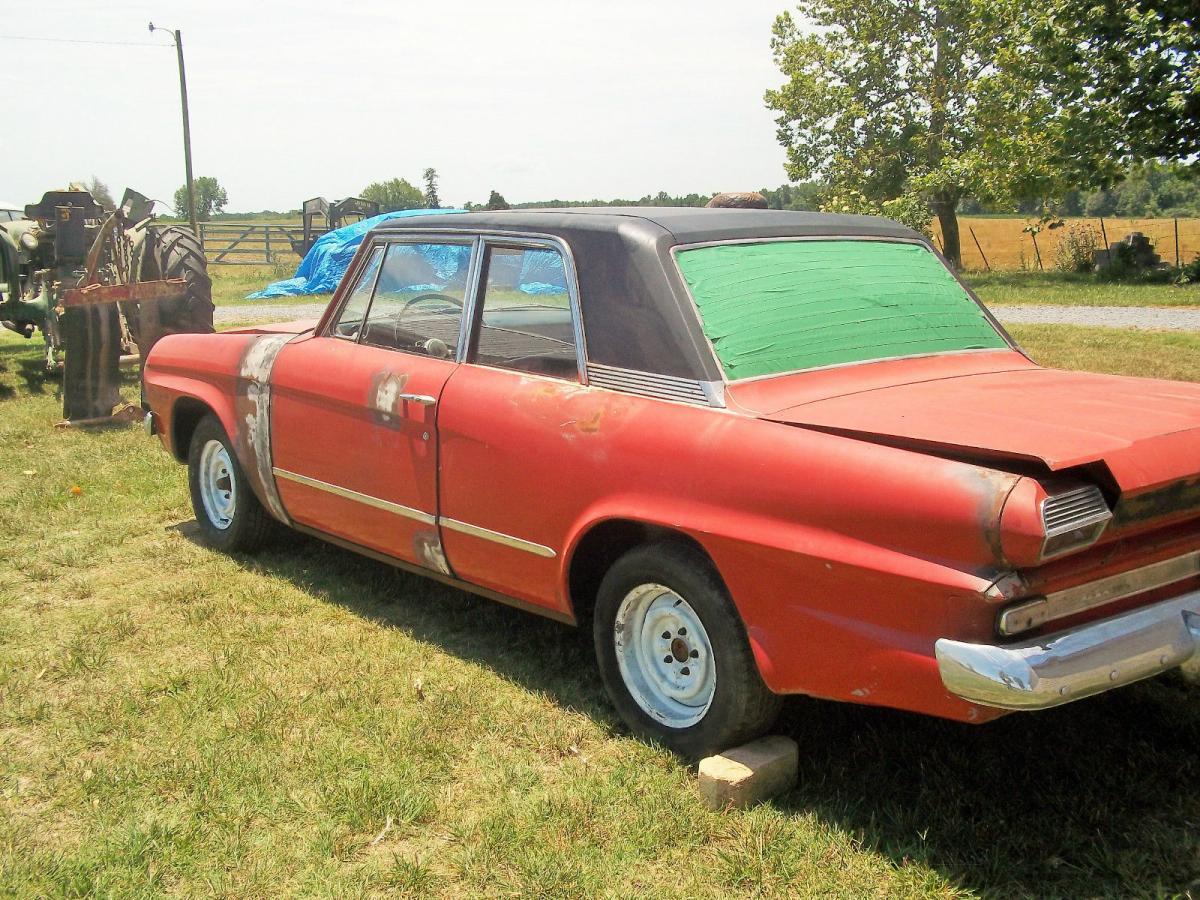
x: 782, y: 306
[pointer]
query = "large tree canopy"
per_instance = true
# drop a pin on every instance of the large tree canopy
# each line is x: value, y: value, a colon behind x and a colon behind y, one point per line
x: 210, y: 198
x: 394, y: 194
x: 1131, y: 69
x: 896, y: 103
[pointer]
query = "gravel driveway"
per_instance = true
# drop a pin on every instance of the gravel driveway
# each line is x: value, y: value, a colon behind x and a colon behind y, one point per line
x: 1149, y: 317
x: 1162, y: 318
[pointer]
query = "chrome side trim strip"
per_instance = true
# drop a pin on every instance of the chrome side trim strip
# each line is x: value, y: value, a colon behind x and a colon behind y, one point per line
x: 1068, y: 602
x: 386, y: 505
x: 1075, y: 663
x: 497, y: 537
x: 409, y: 513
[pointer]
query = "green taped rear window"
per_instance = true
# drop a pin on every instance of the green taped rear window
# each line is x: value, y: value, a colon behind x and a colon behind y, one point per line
x: 782, y: 306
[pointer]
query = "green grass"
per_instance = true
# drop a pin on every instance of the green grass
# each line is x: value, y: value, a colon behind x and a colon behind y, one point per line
x: 1062, y: 289
x: 1168, y: 354
x: 231, y: 284
x: 176, y: 721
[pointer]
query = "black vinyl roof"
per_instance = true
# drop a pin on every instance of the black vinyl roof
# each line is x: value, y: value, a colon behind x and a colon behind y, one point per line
x: 637, y: 312
x: 687, y: 225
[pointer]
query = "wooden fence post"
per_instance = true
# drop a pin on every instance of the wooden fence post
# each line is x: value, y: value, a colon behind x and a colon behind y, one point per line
x: 1037, y: 251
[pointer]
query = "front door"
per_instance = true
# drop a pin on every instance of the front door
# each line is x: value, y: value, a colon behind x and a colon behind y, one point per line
x: 354, y: 409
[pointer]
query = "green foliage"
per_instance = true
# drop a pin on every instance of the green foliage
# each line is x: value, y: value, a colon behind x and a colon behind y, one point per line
x: 432, y: 201
x: 394, y: 194
x: 496, y: 201
x: 1075, y: 248
x: 1150, y: 189
x: 919, y: 100
x: 803, y: 196
x: 1190, y: 273
x: 1131, y: 70
x: 210, y: 198
x: 908, y: 209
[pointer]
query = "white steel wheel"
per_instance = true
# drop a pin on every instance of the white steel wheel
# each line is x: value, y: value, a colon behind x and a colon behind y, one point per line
x: 217, y: 484
x: 664, y: 656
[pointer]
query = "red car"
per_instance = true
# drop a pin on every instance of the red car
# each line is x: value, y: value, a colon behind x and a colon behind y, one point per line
x: 763, y: 453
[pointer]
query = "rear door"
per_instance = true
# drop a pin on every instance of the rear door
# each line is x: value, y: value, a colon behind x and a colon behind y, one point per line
x: 354, y: 409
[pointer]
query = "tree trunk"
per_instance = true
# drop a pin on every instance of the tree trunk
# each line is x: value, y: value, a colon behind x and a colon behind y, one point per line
x: 947, y: 215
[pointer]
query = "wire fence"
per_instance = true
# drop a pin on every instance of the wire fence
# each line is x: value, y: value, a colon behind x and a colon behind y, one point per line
x: 1002, y: 244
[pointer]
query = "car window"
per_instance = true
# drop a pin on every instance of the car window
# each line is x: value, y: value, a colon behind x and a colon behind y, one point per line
x: 418, y: 300
x: 525, y: 322
x: 783, y: 306
x: 350, y: 320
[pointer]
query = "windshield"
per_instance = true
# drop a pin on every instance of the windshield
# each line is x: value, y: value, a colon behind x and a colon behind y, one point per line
x: 782, y: 306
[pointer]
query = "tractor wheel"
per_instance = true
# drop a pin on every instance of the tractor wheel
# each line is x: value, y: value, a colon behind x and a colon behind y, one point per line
x: 172, y: 251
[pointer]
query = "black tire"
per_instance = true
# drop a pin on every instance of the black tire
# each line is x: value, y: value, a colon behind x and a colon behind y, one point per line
x: 249, y: 526
x: 742, y: 708
x: 172, y: 251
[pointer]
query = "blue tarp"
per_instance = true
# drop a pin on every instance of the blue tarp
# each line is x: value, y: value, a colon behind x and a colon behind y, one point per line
x: 323, y: 266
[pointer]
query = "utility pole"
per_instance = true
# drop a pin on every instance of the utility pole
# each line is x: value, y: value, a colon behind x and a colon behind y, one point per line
x: 187, y: 129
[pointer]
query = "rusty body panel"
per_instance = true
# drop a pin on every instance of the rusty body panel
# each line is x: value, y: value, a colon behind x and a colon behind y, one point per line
x: 857, y: 515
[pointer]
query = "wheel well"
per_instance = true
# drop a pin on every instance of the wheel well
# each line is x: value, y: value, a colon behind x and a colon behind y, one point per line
x: 184, y: 418
x: 602, y: 546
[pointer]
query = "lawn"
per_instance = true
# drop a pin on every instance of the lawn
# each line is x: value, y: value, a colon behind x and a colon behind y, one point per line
x: 175, y: 721
x: 1064, y: 289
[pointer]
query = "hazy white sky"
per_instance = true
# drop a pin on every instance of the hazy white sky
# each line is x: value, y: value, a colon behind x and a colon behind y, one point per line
x: 537, y: 99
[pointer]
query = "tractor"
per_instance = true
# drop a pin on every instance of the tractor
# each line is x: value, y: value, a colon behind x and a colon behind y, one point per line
x: 97, y: 283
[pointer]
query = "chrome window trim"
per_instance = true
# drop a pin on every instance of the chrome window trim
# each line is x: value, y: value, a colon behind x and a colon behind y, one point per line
x: 366, y: 499
x: 920, y: 242
x: 1030, y: 614
x: 345, y: 289
x: 497, y: 537
x: 490, y: 240
x: 384, y: 240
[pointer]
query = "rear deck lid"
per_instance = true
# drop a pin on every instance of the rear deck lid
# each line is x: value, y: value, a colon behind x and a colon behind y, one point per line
x: 1147, y: 432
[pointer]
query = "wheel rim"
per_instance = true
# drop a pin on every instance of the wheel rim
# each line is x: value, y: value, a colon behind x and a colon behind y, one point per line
x: 218, y: 489
x: 664, y: 656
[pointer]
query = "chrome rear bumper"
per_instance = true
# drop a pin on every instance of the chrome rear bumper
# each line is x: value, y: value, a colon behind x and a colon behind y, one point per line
x: 1068, y: 665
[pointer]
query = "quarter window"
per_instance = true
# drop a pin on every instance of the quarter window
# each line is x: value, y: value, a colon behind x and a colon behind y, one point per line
x: 525, y: 321
x: 418, y: 301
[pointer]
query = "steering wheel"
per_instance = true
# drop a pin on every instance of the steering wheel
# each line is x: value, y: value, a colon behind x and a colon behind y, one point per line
x: 421, y: 298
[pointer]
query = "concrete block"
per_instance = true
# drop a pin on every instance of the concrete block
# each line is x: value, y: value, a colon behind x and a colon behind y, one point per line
x: 749, y: 774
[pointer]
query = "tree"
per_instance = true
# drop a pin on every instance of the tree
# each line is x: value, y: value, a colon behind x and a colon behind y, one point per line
x: 1131, y: 69
x: 394, y: 194
x: 906, y: 105
x: 432, y: 201
x: 210, y: 198
x: 101, y: 194
x: 496, y: 201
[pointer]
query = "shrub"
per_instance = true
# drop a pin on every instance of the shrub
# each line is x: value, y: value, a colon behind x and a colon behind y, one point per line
x: 1075, y: 248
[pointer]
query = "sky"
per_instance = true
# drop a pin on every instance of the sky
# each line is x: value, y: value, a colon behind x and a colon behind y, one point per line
x: 537, y: 99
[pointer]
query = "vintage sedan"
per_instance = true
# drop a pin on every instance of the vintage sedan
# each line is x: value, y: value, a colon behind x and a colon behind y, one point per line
x: 761, y: 453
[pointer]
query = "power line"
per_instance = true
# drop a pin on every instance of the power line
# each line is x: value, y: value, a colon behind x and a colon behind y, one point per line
x: 53, y: 40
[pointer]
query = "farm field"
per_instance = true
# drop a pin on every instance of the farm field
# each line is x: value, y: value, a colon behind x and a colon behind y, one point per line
x: 175, y: 721
x: 1006, y: 247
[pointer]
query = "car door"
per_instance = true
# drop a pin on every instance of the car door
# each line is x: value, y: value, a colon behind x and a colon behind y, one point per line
x: 354, y: 408
x: 514, y: 426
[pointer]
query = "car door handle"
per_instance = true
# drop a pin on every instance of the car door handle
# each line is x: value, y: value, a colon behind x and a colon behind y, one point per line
x: 423, y: 399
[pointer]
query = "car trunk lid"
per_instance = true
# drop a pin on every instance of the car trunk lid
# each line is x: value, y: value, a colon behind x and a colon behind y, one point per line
x: 1146, y: 432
